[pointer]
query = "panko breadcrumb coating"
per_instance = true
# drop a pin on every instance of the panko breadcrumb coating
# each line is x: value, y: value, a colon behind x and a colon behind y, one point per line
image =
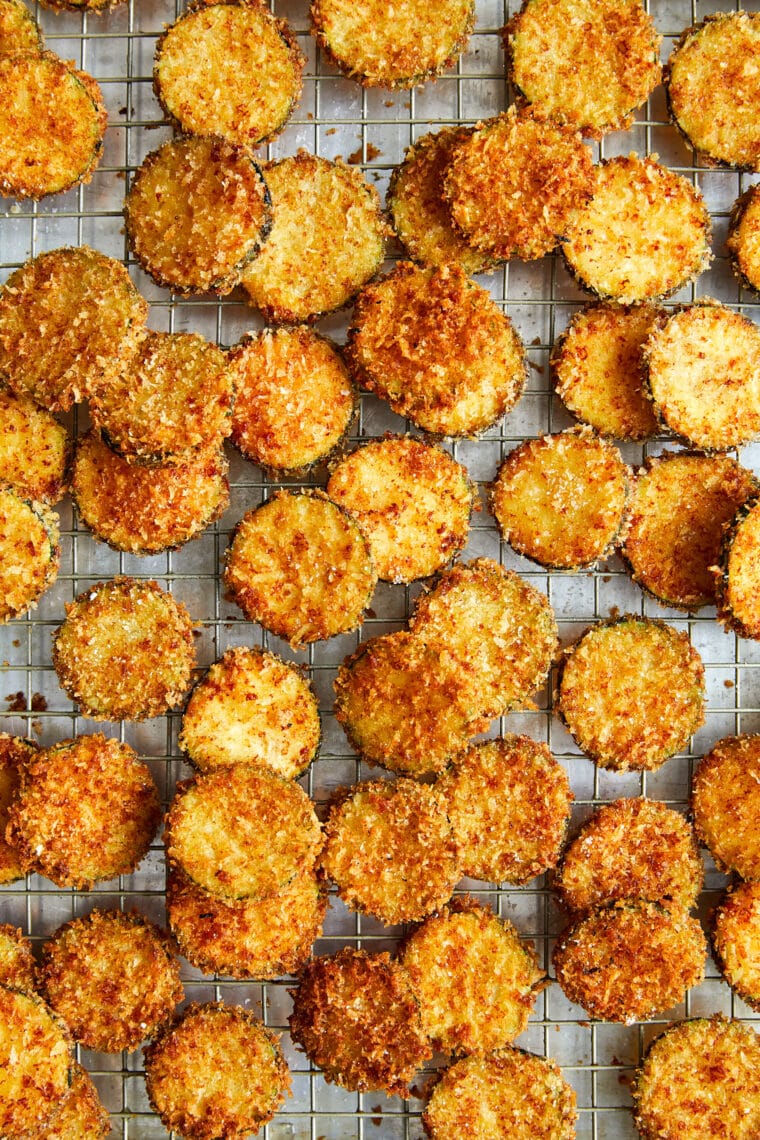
x: 737, y: 575
x: 725, y: 804
x: 15, y: 753
x: 18, y: 970
x: 81, y: 1115
x: 36, y: 1064
x: 29, y: 552
x: 19, y: 30
x: 743, y: 241
x: 736, y: 941
x: 35, y: 450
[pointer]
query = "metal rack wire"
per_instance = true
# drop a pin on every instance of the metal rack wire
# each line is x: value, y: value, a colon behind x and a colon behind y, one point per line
x: 335, y: 117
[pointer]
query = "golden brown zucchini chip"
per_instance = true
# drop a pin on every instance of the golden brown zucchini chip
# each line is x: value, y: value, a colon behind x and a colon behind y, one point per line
x: 19, y: 30
x: 509, y: 803
x: 743, y: 241
x: 17, y: 966
x: 36, y: 1064
x: 725, y: 804
x: 81, y: 1116
x: 15, y: 752
x: 35, y: 450
x: 125, y: 650
x: 435, y: 346
x: 381, y: 45
x: 632, y: 692
x: 29, y: 553
x: 738, y: 577
x: 295, y: 280
x: 228, y: 68
x: 355, y: 1015
x: 736, y: 941
x: 412, y: 501
x: 197, y: 212
x: 250, y: 1076
x: 294, y: 399
x: 644, y: 234
x: 700, y: 1078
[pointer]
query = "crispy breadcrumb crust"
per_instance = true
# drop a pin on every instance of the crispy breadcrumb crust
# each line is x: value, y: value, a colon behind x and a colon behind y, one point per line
x: 743, y: 240
x: 125, y: 650
x: 631, y: 692
x: 81, y: 1116
x: 736, y: 941
x: 36, y: 1064
x: 725, y: 804
x: 737, y: 577
x: 355, y: 1015
x: 15, y: 752
x: 216, y: 1073
x: 18, y: 970
x: 35, y: 450
x: 30, y: 553
x: 19, y: 30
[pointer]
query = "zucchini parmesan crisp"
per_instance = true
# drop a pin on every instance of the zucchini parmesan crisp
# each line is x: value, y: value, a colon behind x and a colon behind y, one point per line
x: 29, y: 552
x: 81, y: 1116
x: 736, y: 941
x: 743, y: 241
x: 35, y: 450
x: 725, y: 804
x: 18, y: 969
x: 15, y: 754
x: 737, y: 576
x: 36, y: 1064
x: 19, y: 31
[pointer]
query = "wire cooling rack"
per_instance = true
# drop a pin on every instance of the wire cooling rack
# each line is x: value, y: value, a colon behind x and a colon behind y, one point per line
x: 336, y: 117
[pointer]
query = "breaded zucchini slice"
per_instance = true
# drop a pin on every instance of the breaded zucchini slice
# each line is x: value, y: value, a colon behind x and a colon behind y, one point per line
x: 411, y: 499
x: 228, y: 68
x: 630, y: 961
x: 743, y: 241
x: 435, y: 346
x: 736, y: 579
x: 505, y: 1093
x: 495, y: 627
x: 301, y: 567
x: 242, y: 832
x: 632, y: 692
x: 391, y: 850
x: 598, y: 369
x: 252, y: 707
x: 393, y: 46
x: 725, y: 804
x: 680, y: 506
x: 29, y: 552
x: 125, y: 650
x: 15, y: 753
x: 246, y: 938
x: 700, y: 1078
x: 36, y: 1064
x: 644, y: 234
x: 17, y: 966
x: 216, y: 1071
x: 197, y: 212
x: 294, y: 399
x: 509, y: 804
x: 82, y: 1116
x: 736, y: 940
x: 19, y: 31
x: 87, y: 810
x: 475, y: 980
x: 35, y: 450
x: 355, y: 1015
x: 296, y: 280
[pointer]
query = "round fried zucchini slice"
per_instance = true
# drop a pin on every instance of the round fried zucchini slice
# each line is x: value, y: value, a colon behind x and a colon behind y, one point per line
x: 82, y: 1116
x: 35, y: 1064
x: 506, y: 1093
x: 725, y: 804
x: 632, y: 692
x: 301, y: 567
x: 630, y: 961
x: 294, y: 399
x: 29, y: 553
x: 736, y: 579
x: 217, y: 1071
x: 252, y: 708
x: 631, y: 849
x: 296, y: 280
x: 736, y: 941
x: 393, y: 46
x: 700, y: 1078
x: 15, y: 752
x: 229, y: 68
x: 125, y: 650
x: 112, y: 977
x: 598, y: 369
x: 680, y: 506
x: 197, y: 212
x: 435, y: 346
x: 743, y: 241
x: 509, y: 804
x: 644, y: 234
x: 17, y: 967
x: 35, y: 450
x: 475, y: 980
x: 391, y: 850
x: 242, y: 832
x: 412, y: 501
x: 355, y: 1015
x: 19, y: 31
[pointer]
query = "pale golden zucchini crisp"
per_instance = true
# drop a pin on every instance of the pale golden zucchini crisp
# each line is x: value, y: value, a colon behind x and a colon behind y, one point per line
x: 35, y: 450
x: 15, y: 752
x: 435, y: 346
x: 19, y: 30
x: 700, y: 1078
x: 397, y: 45
x: 228, y: 68
x: 506, y: 1093
x: 644, y: 234
x: 598, y: 369
x: 412, y: 501
x: 17, y: 967
x: 736, y: 941
x: 36, y: 1064
x: 301, y: 567
x: 197, y: 212
x: 631, y: 849
x: 355, y: 1015
x: 680, y: 506
x: 630, y: 961
x: 475, y: 980
x: 81, y: 1116
x: 294, y: 399
x: 725, y: 804
x: 29, y: 552
x: 252, y: 707
x: 93, y: 319
x: 514, y: 184
x: 294, y: 279
x: 561, y: 500
x: 112, y: 977
x: 509, y: 804
x: 737, y: 579
x: 632, y: 692
x: 391, y: 850
x: 125, y: 650
x: 216, y: 1071
x: 242, y: 832
x: 743, y: 241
